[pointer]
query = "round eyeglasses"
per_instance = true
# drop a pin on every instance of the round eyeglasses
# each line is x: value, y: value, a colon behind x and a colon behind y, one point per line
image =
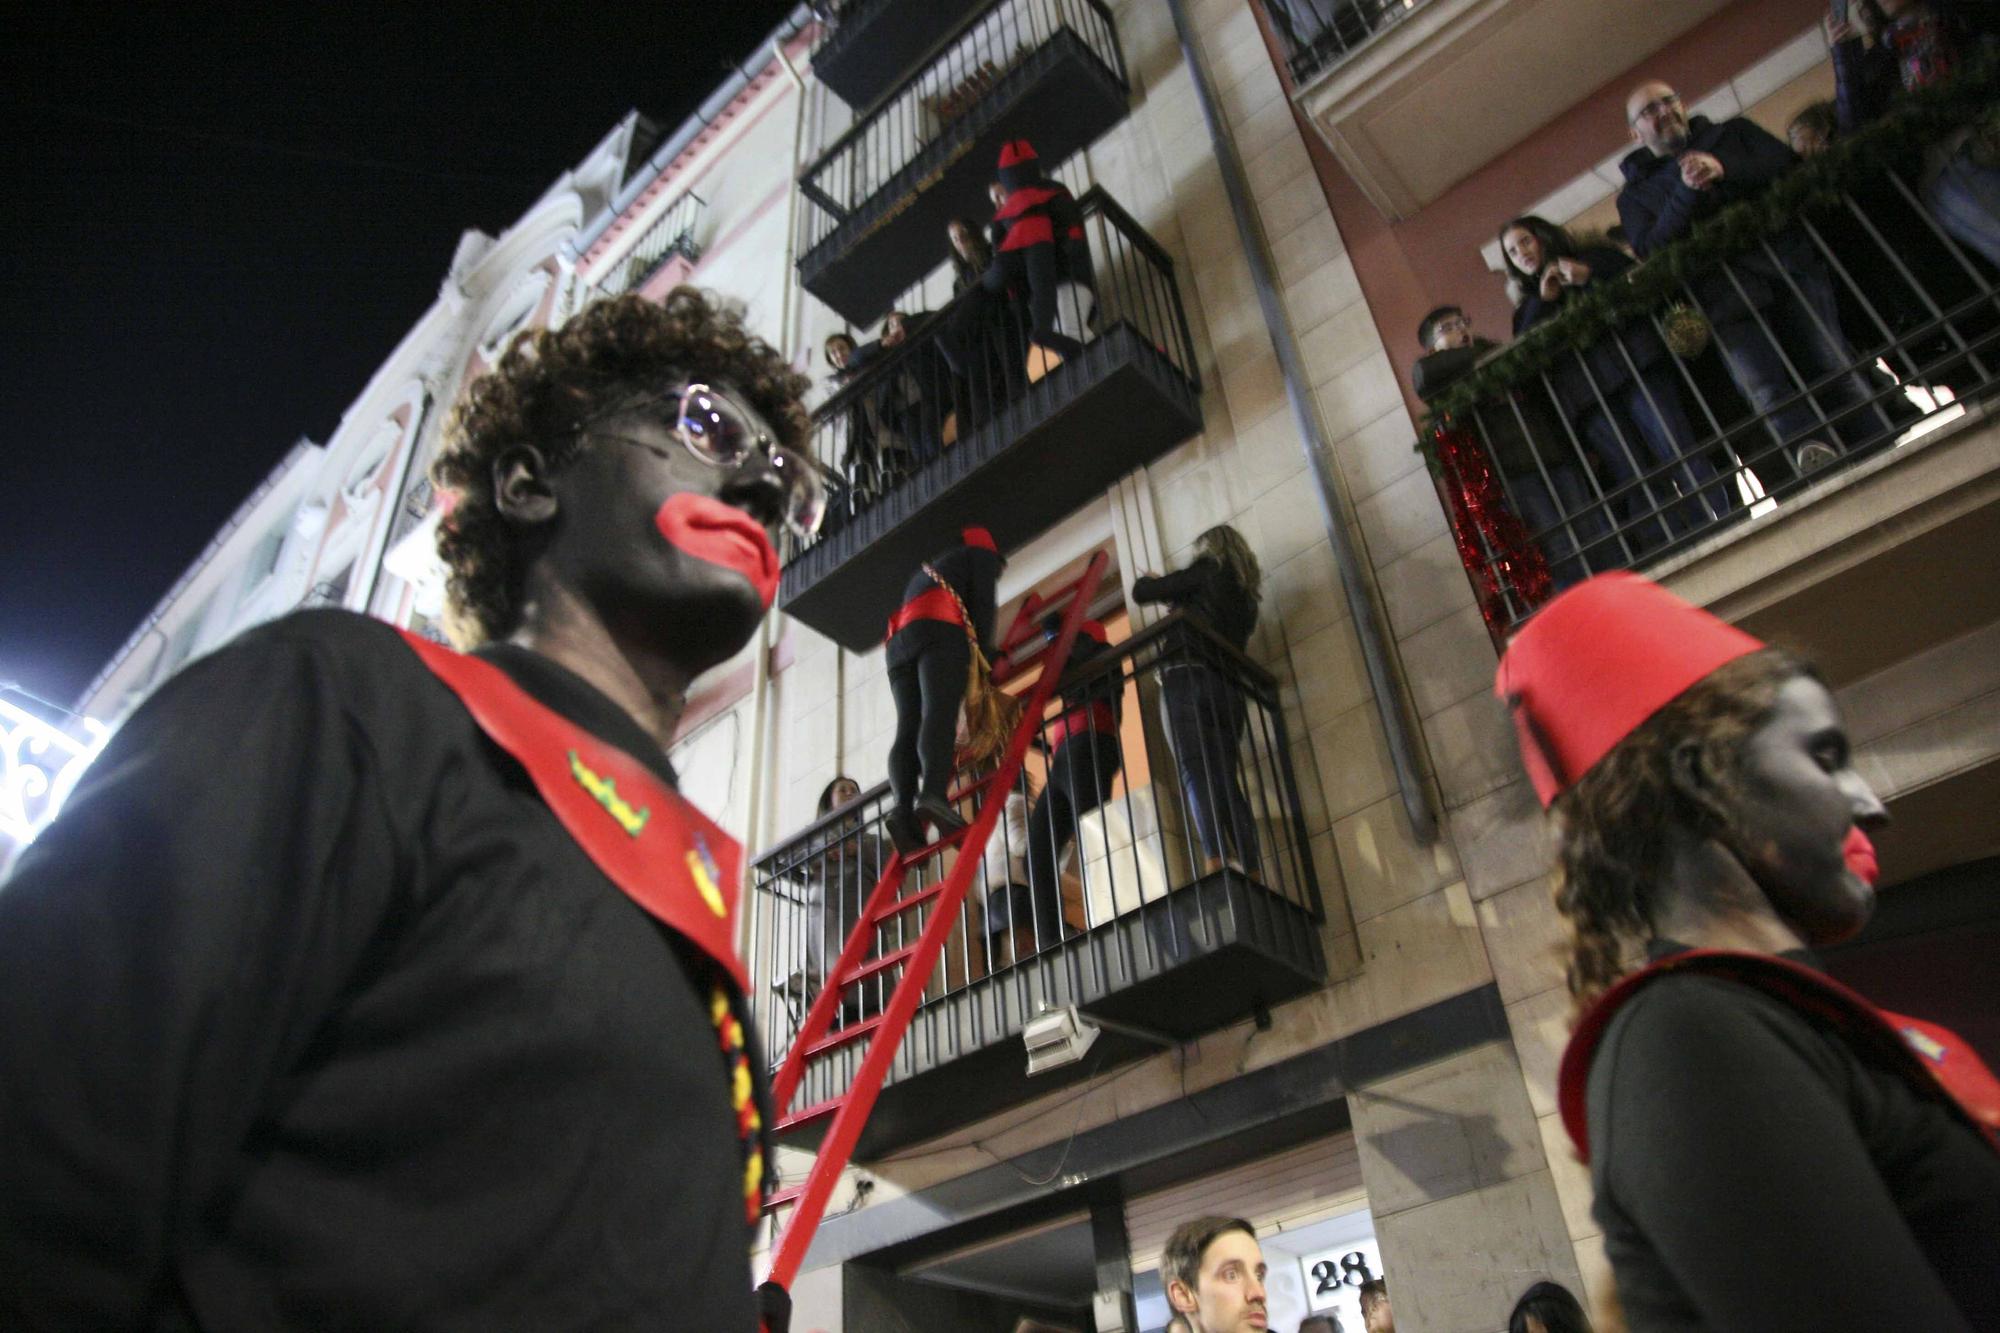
x: 723, y: 433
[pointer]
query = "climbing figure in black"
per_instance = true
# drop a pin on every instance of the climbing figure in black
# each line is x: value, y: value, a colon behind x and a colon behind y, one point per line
x: 1044, y: 246
x: 946, y: 617
x: 1084, y: 760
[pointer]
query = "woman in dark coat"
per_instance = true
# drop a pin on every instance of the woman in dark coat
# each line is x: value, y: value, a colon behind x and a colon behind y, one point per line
x: 1768, y: 1151
x: 1620, y: 392
x: 1205, y: 713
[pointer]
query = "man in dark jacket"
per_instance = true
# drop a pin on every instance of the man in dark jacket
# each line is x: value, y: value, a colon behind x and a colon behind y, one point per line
x: 1540, y: 466
x: 1772, y: 308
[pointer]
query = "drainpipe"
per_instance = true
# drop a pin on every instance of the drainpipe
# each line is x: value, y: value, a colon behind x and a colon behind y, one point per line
x: 1361, y: 606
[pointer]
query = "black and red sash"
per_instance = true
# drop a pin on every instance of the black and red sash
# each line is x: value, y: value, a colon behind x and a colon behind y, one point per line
x: 1027, y: 219
x: 1934, y: 1061
x: 931, y: 604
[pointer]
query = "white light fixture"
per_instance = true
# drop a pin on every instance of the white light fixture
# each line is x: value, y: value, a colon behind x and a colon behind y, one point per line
x: 1057, y: 1037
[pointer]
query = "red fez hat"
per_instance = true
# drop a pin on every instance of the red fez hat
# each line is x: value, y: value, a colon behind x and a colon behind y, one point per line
x: 1599, y: 660
x: 979, y: 537
x: 1016, y: 151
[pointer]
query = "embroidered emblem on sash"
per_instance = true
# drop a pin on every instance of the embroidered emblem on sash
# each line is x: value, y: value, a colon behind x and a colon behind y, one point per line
x: 1925, y: 1045
x: 605, y: 791
x: 703, y: 870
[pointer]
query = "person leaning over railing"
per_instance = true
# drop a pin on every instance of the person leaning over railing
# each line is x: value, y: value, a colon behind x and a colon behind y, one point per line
x: 1524, y: 442
x: 1619, y: 388
x: 1206, y: 716
x: 1892, y: 46
x: 1771, y: 308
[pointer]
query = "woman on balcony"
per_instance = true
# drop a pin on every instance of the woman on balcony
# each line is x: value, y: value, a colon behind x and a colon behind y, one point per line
x: 1767, y: 1149
x: 839, y: 881
x: 1619, y: 391
x: 1205, y: 712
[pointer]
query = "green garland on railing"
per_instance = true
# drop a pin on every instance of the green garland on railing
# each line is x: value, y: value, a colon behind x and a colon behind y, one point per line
x: 1898, y: 139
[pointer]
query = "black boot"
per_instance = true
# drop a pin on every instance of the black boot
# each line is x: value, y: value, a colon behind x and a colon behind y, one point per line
x: 906, y: 831
x: 940, y: 815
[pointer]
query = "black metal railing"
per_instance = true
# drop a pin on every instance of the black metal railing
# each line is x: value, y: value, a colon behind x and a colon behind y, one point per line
x: 670, y: 238
x: 1157, y: 818
x: 1319, y: 34
x: 1857, y: 327
x: 896, y: 142
x: 957, y: 371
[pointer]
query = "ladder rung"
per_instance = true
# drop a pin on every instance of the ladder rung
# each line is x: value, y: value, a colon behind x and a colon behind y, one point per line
x: 872, y: 966
x: 853, y: 1032
x: 902, y: 905
x: 930, y: 849
x: 816, y: 1112
x: 779, y: 1198
x: 972, y: 788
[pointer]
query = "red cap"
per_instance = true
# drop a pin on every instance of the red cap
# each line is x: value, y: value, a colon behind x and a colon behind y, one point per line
x: 1016, y: 151
x: 979, y: 537
x: 1599, y: 660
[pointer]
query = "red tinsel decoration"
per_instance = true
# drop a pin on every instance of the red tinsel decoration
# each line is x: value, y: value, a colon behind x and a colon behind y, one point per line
x: 1509, y: 575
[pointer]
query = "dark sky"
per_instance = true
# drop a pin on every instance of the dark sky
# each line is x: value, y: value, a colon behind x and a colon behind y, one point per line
x: 219, y: 221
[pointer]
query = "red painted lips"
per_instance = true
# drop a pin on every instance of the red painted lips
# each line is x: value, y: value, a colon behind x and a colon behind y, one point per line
x: 721, y: 534
x: 1859, y: 854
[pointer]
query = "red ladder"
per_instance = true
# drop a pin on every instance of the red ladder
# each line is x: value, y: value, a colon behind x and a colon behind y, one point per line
x: 883, y: 1033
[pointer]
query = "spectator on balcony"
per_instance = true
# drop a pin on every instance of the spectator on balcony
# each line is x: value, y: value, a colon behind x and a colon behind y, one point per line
x: 1552, y: 494
x: 915, y: 395
x: 947, y: 615
x: 1724, y: 1092
x: 971, y: 255
x: 839, y: 879
x: 1044, y: 254
x: 1771, y: 308
x: 1620, y: 390
x: 1084, y: 759
x: 986, y: 342
x: 1004, y: 882
x: 363, y: 983
x: 1916, y: 44
x: 1548, y: 1307
x: 1206, y: 716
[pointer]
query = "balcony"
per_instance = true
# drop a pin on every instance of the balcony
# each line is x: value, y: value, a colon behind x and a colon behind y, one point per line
x: 873, y: 44
x: 1138, y: 925
x: 1412, y: 105
x: 662, y: 258
x: 1049, y: 71
x: 1879, y: 337
x: 1318, y: 34
x: 966, y: 422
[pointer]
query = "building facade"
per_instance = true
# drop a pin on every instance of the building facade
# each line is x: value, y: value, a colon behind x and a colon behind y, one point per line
x: 1346, y: 1027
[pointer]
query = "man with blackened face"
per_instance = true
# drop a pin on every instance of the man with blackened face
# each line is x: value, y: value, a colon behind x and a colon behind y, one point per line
x: 370, y: 984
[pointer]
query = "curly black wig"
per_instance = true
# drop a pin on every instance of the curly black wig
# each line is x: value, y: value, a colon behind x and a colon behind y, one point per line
x: 546, y: 386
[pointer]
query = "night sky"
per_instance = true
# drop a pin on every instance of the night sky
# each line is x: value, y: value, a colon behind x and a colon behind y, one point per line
x: 220, y: 221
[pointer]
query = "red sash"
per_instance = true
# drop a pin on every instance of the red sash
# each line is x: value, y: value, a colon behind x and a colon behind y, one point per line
x: 668, y: 857
x: 1078, y: 721
x: 935, y: 604
x: 1934, y: 1061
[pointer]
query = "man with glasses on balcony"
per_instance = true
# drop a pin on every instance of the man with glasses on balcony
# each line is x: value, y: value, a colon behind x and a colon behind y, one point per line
x: 368, y: 984
x: 1772, y: 307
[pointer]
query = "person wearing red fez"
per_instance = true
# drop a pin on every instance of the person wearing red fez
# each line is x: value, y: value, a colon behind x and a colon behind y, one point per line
x: 947, y: 615
x: 1768, y: 1150
x: 1043, y: 246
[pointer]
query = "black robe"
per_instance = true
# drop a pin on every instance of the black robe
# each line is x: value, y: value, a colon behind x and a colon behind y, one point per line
x: 312, y: 1014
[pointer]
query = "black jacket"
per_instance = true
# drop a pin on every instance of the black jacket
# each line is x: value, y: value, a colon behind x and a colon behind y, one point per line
x: 974, y: 574
x: 1603, y: 367
x: 1657, y: 208
x: 1498, y: 423
x: 1206, y: 589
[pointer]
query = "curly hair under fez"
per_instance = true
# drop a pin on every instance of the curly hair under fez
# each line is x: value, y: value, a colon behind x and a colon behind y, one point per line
x: 1620, y: 821
x: 546, y: 384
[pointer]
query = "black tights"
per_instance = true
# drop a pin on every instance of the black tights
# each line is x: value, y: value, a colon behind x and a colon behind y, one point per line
x: 927, y: 691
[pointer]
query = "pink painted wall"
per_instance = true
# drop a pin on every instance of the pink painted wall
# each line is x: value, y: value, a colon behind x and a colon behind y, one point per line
x: 1407, y: 268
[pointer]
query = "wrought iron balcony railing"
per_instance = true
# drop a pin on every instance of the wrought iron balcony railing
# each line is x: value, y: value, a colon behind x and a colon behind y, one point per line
x: 880, y: 196
x: 1715, y: 388
x: 671, y: 238
x: 967, y: 420
x: 868, y: 46
x: 1183, y: 901
x: 1319, y: 34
